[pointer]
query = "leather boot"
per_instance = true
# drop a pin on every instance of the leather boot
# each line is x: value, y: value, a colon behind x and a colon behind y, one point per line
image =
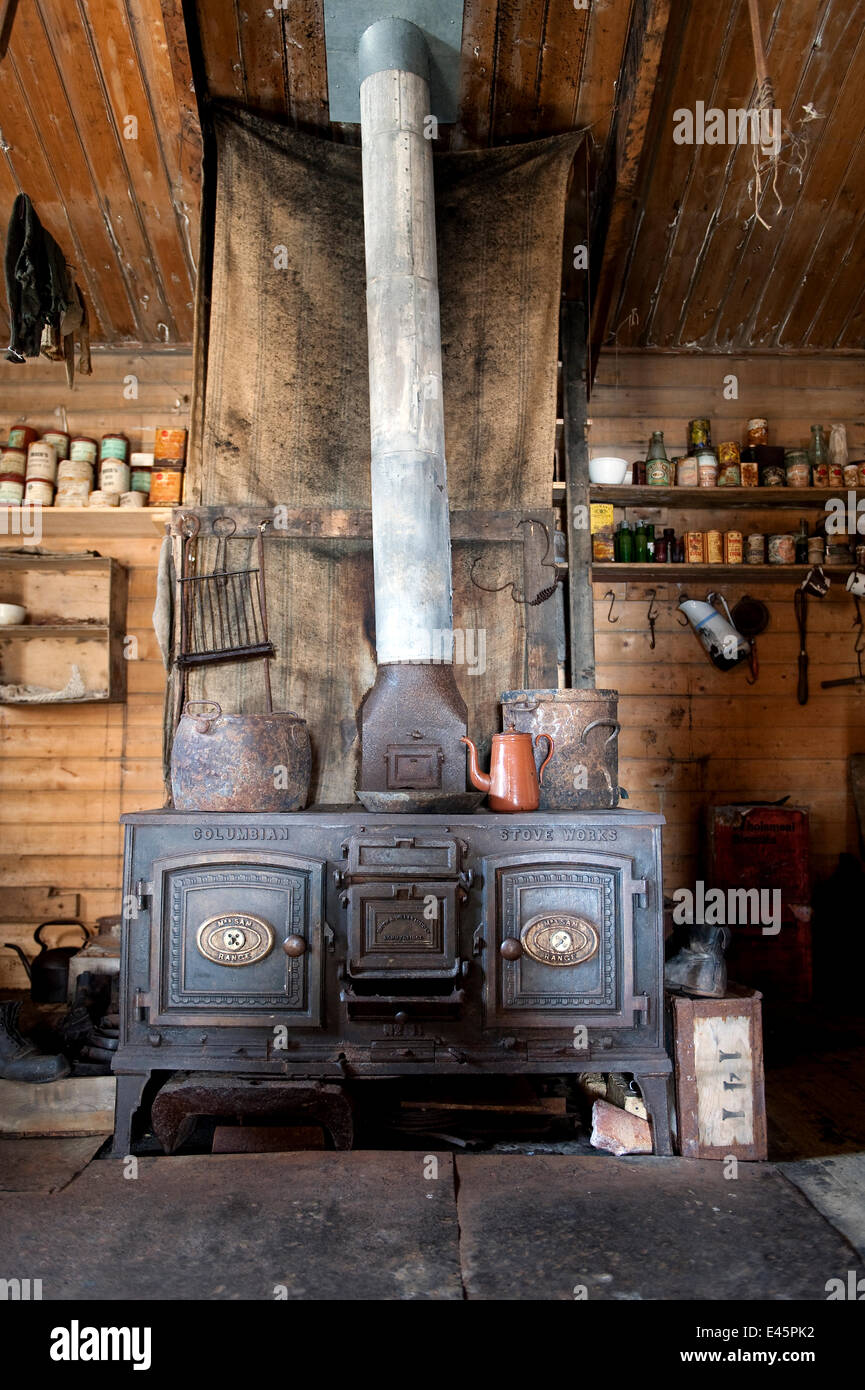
x: 699, y: 968
x: 20, y: 1060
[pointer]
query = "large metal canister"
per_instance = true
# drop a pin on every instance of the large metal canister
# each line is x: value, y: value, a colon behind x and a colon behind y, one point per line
x: 239, y: 762
x: 583, y: 774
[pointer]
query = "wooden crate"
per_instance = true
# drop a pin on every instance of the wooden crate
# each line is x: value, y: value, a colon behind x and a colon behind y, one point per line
x: 718, y: 1052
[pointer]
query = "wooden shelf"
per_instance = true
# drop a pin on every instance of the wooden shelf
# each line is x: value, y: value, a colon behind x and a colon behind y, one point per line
x: 733, y: 498
x: 82, y: 523
x: 681, y: 574
x: 99, y: 631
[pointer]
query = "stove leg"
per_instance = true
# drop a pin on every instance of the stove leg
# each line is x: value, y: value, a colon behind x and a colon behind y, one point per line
x: 655, y: 1092
x: 130, y: 1088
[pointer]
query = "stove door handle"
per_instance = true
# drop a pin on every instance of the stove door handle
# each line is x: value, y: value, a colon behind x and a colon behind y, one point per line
x: 294, y: 945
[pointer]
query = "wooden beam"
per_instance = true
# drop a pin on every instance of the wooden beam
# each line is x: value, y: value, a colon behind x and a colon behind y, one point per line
x: 616, y: 201
x: 574, y: 342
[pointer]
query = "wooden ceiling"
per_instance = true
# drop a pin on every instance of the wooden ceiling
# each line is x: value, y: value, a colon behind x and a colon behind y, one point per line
x: 679, y: 259
x: 122, y: 199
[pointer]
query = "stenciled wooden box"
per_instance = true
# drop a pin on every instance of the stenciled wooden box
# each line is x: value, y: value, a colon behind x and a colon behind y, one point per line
x: 718, y: 1058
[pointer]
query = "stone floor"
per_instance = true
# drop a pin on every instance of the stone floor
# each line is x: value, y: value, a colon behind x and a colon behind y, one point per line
x: 378, y: 1226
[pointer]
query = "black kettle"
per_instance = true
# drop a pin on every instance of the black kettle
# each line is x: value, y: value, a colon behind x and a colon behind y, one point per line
x: 48, y: 972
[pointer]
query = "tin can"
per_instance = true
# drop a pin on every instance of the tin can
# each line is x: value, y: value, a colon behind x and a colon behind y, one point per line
x: 166, y: 487
x: 74, y: 487
x: 42, y: 460
x: 728, y: 452
x: 730, y: 475
x: 139, y: 481
x: 83, y: 450
x: 131, y: 500
x: 114, y: 446
x: 75, y: 471
x: 39, y: 490
x: 114, y: 476
x: 687, y: 472
x: 851, y: 475
x: 169, y: 449
x: 11, y: 488
x: 816, y: 550
x: 139, y: 459
x: 798, y: 474
x: 104, y: 499
x: 22, y: 436
x: 60, y: 440
x: 782, y: 550
x: 714, y: 548
x: 707, y: 465
x: 820, y: 475
x: 695, y: 548
x: 732, y: 547
x: 13, y: 461
x: 755, y: 548
x: 773, y: 476
x: 68, y: 499
x: 758, y: 432
x: 699, y: 432
x: 749, y: 472
x: 658, y: 473
x: 835, y: 474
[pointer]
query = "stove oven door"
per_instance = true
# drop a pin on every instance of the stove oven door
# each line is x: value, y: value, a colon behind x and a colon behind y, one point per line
x: 237, y: 939
x: 559, y: 936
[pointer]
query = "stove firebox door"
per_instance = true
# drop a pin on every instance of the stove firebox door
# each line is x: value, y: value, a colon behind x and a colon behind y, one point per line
x: 560, y: 940
x: 237, y: 940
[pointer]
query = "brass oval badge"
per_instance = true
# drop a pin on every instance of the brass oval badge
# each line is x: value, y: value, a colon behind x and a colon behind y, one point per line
x: 234, y: 938
x: 559, y: 938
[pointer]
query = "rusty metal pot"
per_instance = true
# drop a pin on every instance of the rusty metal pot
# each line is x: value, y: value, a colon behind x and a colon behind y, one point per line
x: 239, y: 762
x: 583, y: 774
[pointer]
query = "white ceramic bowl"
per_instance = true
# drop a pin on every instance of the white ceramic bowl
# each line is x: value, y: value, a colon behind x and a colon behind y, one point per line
x: 611, y: 471
x: 12, y: 614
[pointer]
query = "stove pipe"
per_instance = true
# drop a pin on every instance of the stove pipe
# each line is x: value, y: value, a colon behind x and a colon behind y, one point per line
x: 415, y: 700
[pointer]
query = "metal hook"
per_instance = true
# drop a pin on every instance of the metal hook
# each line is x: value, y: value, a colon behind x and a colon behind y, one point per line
x: 612, y: 597
x: 652, y: 617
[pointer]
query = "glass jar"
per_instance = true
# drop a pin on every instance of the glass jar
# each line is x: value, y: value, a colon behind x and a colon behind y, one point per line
x: 707, y: 464
x: 837, y: 445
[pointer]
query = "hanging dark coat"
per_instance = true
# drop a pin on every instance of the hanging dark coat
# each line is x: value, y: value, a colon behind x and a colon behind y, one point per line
x: 37, y: 285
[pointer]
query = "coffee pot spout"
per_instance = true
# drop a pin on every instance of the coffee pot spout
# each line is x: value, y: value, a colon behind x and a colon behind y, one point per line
x: 478, y: 779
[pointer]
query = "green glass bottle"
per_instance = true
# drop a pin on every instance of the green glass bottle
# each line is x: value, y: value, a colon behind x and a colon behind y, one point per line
x: 626, y: 544
x: 650, y: 542
x: 641, y: 548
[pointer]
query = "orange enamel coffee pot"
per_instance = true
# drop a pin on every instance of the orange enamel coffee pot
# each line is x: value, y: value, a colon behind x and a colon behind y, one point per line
x: 512, y: 783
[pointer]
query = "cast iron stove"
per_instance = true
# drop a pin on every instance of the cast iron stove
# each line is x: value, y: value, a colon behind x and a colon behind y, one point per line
x: 338, y: 944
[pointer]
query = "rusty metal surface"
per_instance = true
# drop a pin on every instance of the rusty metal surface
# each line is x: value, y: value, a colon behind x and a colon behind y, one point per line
x: 412, y: 706
x: 184, y: 1098
x: 316, y: 1226
x: 583, y: 773
x: 539, y: 1228
x: 239, y: 762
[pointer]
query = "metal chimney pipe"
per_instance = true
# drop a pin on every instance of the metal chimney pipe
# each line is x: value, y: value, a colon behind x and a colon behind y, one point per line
x: 411, y: 529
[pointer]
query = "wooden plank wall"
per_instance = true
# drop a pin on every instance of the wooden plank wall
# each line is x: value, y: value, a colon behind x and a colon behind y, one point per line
x: 694, y: 736
x: 67, y: 772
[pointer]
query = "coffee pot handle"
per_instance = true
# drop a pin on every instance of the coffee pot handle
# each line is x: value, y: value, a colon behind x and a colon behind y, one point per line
x: 547, y: 758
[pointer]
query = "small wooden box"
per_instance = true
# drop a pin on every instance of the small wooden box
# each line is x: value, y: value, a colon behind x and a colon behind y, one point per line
x: 718, y: 1051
